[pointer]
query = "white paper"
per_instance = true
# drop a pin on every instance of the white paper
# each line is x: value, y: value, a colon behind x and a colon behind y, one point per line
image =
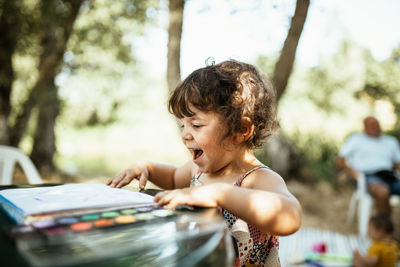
x: 71, y: 196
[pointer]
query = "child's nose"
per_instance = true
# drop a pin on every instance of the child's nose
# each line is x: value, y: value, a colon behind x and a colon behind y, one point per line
x: 186, y: 135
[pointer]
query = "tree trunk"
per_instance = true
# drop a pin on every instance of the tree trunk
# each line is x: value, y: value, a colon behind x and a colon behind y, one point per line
x: 284, y: 66
x: 278, y: 151
x: 9, y: 28
x: 176, y: 8
x: 44, y: 145
x: 44, y: 94
x: 44, y: 140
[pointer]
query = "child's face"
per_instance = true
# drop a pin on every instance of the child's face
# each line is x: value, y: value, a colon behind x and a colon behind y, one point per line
x: 374, y: 233
x: 203, y: 135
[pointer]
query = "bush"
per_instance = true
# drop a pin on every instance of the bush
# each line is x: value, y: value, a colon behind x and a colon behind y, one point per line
x: 394, y: 132
x: 317, y: 154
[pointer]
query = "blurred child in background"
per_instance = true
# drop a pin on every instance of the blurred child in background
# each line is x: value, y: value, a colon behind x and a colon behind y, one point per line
x: 384, y: 251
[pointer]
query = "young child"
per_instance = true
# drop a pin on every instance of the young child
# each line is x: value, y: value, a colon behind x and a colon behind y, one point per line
x: 383, y: 252
x: 226, y: 110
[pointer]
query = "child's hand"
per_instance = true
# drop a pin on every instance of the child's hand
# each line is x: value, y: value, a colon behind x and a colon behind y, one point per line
x: 200, y: 196
x: 138, y: 171
x: 357, y: 258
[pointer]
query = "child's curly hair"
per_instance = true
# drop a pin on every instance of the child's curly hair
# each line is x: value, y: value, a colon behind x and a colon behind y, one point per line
x: 234, y: 90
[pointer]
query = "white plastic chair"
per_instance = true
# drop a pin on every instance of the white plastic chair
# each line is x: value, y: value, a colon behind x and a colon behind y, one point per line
x: 9, y: 156
x: 364, y: 201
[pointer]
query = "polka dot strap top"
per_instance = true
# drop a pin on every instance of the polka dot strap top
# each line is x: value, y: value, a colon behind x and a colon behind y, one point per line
x: 252, y: 247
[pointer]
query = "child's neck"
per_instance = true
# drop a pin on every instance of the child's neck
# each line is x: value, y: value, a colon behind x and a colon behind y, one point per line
x: 239, y: 165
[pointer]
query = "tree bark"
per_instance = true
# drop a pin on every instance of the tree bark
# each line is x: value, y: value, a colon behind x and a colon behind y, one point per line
x: 284, y: 65
x: 9, y: 28
x: 176, y: 8
x: 54, y: 45
x: 44, y: 94
x: 44, y: 146
x: 278, y: 151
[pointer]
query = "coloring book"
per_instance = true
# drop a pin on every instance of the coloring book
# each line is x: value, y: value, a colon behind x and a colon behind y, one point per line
x: 25, y: 205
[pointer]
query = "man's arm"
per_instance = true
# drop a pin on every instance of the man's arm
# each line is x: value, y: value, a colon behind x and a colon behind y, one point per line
x: 341, y: 163
x: 397, y: 166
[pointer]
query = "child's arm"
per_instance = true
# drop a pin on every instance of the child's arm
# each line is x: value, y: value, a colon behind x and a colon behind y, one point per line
x: 162, y: 175
x: 263, y: 201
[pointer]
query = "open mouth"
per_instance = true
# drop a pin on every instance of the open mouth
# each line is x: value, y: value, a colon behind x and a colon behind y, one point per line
x: 197, y: 153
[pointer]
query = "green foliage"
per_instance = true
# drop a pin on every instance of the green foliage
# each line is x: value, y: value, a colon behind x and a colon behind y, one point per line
x: 101, y: 60
x: 266, y: 64
x: 326, y: 86
x: 99, y: 53
x: 394, y: 132
x: 104, y: 31
x: 382, y: 82
x: 342, y: 72
x: 318, y: 155
x: 353, y: 77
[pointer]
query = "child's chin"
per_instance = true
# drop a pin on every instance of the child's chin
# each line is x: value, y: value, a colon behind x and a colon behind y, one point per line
x: 201, y: 167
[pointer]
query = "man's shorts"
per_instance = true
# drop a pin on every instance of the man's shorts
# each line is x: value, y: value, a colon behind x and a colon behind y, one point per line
x: 385, y: 177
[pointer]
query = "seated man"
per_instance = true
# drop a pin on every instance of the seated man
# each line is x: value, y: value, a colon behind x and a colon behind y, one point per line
x: 377, y: 156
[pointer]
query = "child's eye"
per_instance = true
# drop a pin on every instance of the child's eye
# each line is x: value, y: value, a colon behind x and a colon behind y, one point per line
x: 196, y: 126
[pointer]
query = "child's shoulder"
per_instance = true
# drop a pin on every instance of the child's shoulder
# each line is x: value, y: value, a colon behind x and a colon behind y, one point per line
x: 262, y: 177
x: 267, y: 172
x: 385, y: 244
x: 191, y: 168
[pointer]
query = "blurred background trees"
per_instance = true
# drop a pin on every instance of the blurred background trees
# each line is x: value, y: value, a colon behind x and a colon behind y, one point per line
x: 36, y: 36
x: 78, y: 94
x: 174, y: 43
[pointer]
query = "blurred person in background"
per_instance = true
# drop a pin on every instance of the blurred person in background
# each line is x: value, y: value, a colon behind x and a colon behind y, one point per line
x: 383, y: 251
x: 378, y: 157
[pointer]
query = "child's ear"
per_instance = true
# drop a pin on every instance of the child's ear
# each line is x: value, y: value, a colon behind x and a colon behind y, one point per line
x: 246, y: 130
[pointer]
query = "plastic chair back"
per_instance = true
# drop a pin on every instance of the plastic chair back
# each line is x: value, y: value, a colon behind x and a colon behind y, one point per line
x: 9, y: 156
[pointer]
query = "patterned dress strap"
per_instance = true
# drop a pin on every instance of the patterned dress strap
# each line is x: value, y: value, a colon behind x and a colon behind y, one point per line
x: 240, y: 180
x: 197, y: 174
x: 194, y: 181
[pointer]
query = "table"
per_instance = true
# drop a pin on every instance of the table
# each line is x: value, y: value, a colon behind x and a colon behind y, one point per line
x: 189, y: 238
